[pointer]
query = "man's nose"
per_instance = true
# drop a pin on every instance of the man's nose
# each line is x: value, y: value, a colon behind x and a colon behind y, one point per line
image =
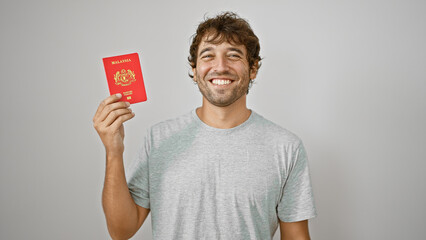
x: 221, y: 64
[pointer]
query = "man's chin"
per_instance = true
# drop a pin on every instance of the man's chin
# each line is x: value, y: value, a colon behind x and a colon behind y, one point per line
x: 222, y: 102
x: 218, y: 102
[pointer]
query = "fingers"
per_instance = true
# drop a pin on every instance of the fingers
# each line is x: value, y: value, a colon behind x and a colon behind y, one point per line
x: 111, y: 99
x: 121, y: 119
x: 108, y: 109
x: 111, y: 110
x: 113, y: 115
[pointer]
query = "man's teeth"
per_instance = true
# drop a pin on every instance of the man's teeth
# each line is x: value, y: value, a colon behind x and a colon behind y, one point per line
x: 221, y: 82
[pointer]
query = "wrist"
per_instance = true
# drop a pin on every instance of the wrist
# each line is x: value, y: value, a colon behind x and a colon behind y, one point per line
x: 114, y: 155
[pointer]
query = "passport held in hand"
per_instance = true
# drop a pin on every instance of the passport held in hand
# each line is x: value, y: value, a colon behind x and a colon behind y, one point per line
x: 124, y: 75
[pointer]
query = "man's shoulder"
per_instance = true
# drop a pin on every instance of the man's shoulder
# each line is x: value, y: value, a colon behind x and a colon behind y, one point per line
x: 275, y: 132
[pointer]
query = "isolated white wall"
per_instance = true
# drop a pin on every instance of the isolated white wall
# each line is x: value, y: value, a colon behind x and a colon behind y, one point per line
x: 348, y: 77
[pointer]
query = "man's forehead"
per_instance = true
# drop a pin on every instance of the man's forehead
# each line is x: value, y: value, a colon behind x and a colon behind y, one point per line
x: 213, y: 40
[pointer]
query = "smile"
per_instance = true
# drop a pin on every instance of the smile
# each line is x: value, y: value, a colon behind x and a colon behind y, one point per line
x: 221, y: 81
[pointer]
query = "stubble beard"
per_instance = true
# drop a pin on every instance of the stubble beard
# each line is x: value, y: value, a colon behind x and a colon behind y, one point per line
x: 222, y: 97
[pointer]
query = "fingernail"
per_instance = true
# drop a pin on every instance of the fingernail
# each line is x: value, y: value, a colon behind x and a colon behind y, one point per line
x: 118, y: 95
x: 127, y: 104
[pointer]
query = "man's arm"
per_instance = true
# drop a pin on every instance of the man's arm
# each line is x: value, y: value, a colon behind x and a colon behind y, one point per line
x: 294, y: 230
x: 123, y: 216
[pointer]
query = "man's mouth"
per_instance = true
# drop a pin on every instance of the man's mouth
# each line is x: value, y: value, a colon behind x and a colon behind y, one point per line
x: 220, y: 81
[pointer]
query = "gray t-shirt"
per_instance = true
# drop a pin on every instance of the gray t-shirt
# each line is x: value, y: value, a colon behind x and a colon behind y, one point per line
x: 202, y: 182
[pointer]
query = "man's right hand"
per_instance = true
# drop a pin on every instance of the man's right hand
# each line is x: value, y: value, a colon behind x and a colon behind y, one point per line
x: 123, y: 216
x: 108, y: 122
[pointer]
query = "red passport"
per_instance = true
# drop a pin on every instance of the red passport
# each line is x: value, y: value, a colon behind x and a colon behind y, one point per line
x: 124, y: 75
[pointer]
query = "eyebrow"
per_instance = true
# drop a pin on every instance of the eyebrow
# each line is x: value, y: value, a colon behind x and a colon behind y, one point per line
x: 236, y: 50
x: 205, y: 50
x: 229, y: 49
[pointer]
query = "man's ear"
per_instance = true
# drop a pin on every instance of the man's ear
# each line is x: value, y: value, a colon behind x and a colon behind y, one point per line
x: 253, y: 70
x: 194, y: 74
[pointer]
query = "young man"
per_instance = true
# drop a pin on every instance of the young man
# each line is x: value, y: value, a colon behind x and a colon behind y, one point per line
x: 219, y: 172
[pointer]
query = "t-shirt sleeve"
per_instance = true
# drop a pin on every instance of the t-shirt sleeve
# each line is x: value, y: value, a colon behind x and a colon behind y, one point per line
x: 297, y: 202
x: 137, y: 175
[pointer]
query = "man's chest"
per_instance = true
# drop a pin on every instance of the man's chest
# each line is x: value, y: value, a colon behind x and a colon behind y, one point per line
x: 218, y: 172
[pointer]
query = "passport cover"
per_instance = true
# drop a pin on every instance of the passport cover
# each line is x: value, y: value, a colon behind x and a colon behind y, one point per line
x: 124, y: 75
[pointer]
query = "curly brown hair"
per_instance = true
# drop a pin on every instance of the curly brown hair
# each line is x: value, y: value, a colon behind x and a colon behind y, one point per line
x: 227, y: 26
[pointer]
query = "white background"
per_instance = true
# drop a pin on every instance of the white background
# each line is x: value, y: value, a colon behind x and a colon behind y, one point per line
x: 348, y: 77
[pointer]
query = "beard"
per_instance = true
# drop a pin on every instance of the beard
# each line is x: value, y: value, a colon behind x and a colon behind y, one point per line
x: 223, y: 97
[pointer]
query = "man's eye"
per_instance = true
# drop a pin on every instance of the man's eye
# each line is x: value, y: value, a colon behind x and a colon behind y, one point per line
x: 234, y: 56
x: 207, y: 56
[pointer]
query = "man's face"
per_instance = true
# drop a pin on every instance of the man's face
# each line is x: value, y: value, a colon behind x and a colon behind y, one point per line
x: 222, y: 72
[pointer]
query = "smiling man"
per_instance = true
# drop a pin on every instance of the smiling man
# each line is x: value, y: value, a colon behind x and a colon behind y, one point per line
x: 221, y: 171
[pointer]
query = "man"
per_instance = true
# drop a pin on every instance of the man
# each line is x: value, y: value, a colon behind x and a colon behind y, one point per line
x: 219, y: 172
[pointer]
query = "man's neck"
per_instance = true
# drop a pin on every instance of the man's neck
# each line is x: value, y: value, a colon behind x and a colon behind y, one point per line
x: 224, y: 117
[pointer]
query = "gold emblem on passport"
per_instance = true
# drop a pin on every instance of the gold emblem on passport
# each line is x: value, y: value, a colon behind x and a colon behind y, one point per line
x: 124, y: 77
